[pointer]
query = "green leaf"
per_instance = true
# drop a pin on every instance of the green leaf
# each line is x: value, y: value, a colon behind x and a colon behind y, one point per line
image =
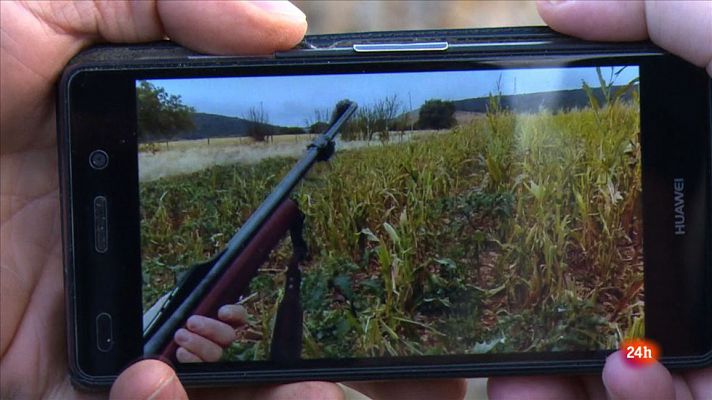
x: 343, y: 283
x: 604, y: 85
x: 391, y: 232
x: 447, y: 263
x: 591, y: 96
x: 493, y: 291
x: 624, y: 89
x: 342, y: 327
x: 370, y: 235
x: 487, y: 346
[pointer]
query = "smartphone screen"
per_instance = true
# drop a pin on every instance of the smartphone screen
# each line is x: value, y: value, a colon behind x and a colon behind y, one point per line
x: 477, y: 214
x: 463, y: 212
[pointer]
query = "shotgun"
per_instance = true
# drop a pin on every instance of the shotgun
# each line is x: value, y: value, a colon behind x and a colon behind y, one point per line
x: 225, y: 278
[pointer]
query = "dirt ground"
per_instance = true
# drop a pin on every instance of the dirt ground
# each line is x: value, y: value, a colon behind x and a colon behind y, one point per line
x: 187, y: 156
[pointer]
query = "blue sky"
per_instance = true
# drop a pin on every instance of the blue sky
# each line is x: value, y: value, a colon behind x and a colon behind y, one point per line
x: 289, y: 100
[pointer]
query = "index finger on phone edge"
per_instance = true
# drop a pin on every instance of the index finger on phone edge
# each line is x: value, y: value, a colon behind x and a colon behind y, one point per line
x: 217, y: 27
x: 234, y: 27
x: 683, y: 28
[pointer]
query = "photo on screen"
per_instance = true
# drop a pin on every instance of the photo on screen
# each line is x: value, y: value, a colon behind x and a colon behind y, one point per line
x: 462, y: 212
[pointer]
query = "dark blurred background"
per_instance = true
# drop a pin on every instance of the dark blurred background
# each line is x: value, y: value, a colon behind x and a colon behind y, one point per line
x: 358, y: 16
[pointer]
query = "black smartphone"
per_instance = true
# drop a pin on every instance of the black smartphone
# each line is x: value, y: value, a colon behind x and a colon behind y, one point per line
x: 385, y: 205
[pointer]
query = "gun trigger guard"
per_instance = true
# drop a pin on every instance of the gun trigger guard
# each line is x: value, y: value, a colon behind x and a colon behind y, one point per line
x: 325, y: 149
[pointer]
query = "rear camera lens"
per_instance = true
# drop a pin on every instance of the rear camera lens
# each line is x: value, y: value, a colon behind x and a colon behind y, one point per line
x: 98, y: 159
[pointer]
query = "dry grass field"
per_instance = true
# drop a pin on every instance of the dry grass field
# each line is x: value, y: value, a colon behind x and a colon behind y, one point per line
x: 162, y: 160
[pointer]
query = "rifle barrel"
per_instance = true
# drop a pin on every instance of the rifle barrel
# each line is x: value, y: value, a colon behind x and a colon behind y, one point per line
x: 320, y: 149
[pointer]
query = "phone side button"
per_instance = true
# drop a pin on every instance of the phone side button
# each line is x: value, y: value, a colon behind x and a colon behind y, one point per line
x: 101, y: 228
x: 104, y: 335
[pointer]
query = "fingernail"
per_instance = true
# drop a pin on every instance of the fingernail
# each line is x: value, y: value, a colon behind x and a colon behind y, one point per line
x: 225, y: 312
x: 181, y: 336
x: 194, y: 323
x: 281, y: 7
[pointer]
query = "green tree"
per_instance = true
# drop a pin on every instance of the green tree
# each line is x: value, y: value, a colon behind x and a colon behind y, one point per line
x: 318, y: 127
x: 352, y: 129
x: 340, y: 107
x: 436, y: 114
x: 161, y: 114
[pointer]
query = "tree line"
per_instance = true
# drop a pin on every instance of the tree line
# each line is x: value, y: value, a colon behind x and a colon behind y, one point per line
x: 377, y: 120
x: 161, y: 115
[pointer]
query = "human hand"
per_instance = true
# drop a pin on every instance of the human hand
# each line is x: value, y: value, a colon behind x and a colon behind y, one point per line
x: 38, y: 39
x: 203, y: 339
x: 621, y: 380
x: 683, y: 28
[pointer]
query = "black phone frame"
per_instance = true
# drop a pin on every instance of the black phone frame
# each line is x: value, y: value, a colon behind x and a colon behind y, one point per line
x: 96, y: 110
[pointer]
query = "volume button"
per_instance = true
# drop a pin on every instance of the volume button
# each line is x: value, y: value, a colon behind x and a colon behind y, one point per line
x: 399, y: 47
x: 101, y: 226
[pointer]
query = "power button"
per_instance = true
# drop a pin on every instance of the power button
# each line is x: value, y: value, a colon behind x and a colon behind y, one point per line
x: 104, y: 335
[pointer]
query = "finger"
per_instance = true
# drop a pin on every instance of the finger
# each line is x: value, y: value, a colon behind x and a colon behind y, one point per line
x: 301, y: 390
x: 536, y: 387
x: 626, y: 381
x: 420, y: 389
x: 683, y: 28
x: 682, y: 390
x: 184, y: 356
x: 57, y: 30
x: 223, y: 27
x: 211, y: 329
x: 233, y: 314
x: 148, y: 379
x: 622, y: 20
x: 254, y: 27
x: 700, y: 383
x: 198, y: 345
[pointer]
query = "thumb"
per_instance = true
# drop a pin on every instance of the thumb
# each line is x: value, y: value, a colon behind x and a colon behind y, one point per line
x: 683, y: 28
x: 626, y: 381
x: 39, y: 38
x: 148, y: 379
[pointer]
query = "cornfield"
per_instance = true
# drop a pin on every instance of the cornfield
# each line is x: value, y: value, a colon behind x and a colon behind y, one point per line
x: 515, y: 232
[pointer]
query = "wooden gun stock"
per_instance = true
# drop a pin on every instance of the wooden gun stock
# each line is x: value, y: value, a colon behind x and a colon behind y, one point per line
x: 244, y: 267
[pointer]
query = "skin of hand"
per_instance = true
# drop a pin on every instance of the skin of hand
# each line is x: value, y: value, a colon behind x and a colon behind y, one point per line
x: 683, y: 28
x: 37, y: 40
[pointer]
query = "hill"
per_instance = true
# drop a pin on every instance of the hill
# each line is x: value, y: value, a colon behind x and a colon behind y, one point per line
x: 214, y: 125
x: 557, y: 100
x: 533, y: 102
